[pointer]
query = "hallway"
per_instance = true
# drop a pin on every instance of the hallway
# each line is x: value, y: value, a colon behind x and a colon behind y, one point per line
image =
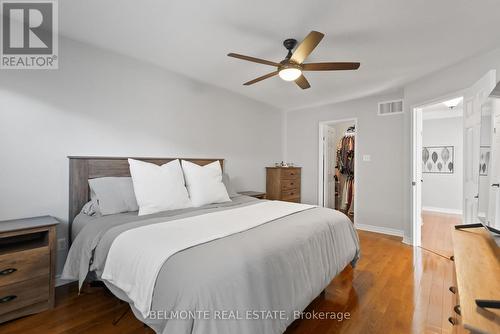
x: 436, y: 232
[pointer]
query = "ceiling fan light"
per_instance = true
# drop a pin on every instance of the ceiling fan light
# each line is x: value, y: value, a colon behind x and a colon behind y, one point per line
x: 290, y: 73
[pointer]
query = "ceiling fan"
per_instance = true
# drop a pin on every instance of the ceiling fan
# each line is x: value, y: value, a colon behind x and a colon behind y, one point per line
x: 291, y: 68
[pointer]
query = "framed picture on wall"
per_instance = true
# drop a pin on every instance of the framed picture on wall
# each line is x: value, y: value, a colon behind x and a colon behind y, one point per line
x: 484, y: 160
x: 438, y: 159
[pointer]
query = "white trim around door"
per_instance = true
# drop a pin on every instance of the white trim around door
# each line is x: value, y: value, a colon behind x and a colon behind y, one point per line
x: 321, y: 161
x: 416, y: 163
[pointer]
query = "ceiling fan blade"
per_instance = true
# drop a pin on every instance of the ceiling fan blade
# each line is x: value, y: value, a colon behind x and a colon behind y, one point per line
x: 302, y: 82
x: 269, y: 75
x: 330, y: 66
x: 253, y: 59
x: 306, y: 47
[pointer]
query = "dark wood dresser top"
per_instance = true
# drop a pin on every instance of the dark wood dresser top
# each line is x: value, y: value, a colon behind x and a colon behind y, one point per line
x: 27, y: 223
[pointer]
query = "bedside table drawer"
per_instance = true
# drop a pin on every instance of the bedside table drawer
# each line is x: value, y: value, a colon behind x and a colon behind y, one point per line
x: 290, y: 184
x: 291, y: 195
x: 27, y: 266
x: 19, y: 295
x: 290, y: 174
x: 23, y: 265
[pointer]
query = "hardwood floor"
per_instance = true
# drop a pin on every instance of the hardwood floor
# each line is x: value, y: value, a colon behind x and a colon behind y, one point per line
x: 436, y: 231
x: 385, y: 293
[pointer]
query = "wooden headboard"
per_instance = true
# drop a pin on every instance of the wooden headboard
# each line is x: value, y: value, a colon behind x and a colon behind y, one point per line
x: 81, y: 169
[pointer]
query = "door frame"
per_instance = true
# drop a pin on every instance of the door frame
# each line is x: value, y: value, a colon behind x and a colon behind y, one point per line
x: 321, y: 161
x: 416, y: 158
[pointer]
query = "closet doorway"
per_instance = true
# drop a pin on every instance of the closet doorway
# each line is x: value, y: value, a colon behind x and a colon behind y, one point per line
x: 337, y: 165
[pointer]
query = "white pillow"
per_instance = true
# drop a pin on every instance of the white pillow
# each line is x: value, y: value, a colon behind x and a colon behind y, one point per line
x: 204, y: 183
x: 158, y: 188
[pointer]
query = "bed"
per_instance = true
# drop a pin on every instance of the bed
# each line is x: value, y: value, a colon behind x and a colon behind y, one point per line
x: 255, y: 281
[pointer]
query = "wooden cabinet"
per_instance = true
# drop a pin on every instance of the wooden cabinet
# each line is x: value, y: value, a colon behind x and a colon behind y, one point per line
x: 27, y: 266
x: 477, y: 267
x: 283, y: 183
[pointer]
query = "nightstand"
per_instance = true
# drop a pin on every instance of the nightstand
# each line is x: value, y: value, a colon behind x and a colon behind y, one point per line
x: 27, y: 266
x: 283, y: 183
x: 255, y: 194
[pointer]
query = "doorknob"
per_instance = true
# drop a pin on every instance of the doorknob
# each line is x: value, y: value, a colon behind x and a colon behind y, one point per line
x: 496, y: 185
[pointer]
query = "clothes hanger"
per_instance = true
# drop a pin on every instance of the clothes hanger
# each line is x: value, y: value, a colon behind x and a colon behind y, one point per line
x: 351, y: 131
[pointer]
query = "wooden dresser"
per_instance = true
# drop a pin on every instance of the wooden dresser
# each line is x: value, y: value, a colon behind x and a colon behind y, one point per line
x: 27, y: 266
x: 283, y: 183
x: 477, y: 268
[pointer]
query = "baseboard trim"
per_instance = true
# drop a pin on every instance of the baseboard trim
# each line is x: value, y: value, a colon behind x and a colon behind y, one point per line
x: 379, y: 229
x: 442, y: 210
x: 407, y: 240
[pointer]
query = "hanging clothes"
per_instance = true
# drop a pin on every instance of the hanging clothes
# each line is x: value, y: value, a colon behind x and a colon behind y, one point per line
x: 345, y: 155
x: 345, y: 167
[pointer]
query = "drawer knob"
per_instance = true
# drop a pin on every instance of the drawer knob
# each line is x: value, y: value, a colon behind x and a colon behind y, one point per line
x: 452, y: 258
x: 457, y: 309
x: 7, y: 299
x: 7, y: 271
x: 453, y: 321
x: 453, y: 289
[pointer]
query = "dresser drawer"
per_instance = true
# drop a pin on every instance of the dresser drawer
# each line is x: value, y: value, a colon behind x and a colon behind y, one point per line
x: 290, y: 184
x: 290, y: 174
x: 283, y: 183
x: 26, y: 293
x: 23, y: 265
x: 292, y: 195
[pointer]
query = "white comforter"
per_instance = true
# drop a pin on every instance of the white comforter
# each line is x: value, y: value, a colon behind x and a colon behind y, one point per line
x: 135, y: 269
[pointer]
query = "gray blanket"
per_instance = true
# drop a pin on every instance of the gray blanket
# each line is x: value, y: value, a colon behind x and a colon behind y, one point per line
x: 250, y: 282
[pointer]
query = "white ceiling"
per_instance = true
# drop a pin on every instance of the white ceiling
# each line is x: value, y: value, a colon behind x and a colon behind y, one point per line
x: 396, y: 41
x: 439, y: 111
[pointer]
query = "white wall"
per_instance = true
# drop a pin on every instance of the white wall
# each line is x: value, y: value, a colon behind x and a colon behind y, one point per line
x: 379, y: 182
x: 444, y: 191
x: 101, y: 103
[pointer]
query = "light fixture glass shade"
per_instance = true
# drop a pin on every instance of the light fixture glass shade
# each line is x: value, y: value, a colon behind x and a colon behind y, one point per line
x: 290, y: 73
x: 453, y: 102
